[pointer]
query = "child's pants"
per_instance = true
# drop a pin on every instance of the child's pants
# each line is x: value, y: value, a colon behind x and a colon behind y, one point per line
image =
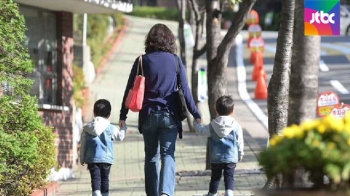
x: 99, y: 173
x: 217, y: 169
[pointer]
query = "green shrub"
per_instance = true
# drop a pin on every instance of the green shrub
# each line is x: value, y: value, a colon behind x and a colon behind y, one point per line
x: 27, y: 150
x: 79, y: 86
x: 161, y: 13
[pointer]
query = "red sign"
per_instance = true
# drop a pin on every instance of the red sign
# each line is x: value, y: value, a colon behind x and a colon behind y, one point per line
x: 254, y: 30
x: 340, y: 110
x: 326, y: 102
x: 257, y: 45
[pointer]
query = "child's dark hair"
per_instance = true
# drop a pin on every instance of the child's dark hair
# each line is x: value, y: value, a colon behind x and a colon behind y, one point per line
x: 224, y: 105
x: 102, y: 108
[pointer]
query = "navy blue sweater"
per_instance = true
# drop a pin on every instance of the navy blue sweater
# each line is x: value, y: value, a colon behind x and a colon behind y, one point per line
x: 160, y: 87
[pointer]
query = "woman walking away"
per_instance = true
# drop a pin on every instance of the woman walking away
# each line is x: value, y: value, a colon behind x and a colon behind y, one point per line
x: 159, y: 119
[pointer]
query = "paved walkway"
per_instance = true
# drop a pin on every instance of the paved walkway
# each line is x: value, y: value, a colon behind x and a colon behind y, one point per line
x: 127, y: 177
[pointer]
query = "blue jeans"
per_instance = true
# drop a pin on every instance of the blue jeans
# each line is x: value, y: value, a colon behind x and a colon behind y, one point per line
x: 99, y: 173
x: 216, y: 171
x: 159, y: 135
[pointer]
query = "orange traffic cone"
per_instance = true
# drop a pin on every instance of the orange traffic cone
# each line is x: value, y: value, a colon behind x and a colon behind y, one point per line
x: 253, y: 57
x: 258, y: 64
x: 261, y: 88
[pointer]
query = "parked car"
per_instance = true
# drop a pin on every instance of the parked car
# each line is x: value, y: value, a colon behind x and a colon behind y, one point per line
x: 345, y: 20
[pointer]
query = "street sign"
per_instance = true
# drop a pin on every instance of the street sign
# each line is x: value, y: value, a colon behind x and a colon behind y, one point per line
x: 340, y: 110
x: 326, y: 102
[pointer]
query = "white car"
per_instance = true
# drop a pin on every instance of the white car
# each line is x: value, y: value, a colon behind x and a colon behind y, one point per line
x: 345, y: 20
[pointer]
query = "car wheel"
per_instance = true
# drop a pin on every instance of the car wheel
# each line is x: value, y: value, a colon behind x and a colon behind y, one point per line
x: 347, y: 33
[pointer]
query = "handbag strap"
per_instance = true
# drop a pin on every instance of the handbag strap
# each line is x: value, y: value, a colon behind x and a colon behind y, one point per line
x: 178, y: 71
x: 139, y: 65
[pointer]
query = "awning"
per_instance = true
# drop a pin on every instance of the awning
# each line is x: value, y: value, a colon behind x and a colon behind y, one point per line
x: 80, y: 6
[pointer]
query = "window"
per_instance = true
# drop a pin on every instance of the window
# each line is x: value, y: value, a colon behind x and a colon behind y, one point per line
x: 41, y: 41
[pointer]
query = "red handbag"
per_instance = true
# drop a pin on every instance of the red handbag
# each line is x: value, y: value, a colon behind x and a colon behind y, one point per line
x: 135, y: 96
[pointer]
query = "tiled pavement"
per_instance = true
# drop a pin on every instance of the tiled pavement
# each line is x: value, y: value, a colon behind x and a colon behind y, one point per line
x: 127, y: 178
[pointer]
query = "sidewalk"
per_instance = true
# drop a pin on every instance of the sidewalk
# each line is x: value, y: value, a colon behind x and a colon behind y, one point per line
x: 127, y: 178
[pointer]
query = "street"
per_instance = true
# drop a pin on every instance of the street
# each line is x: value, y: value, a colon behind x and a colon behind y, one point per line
x: 334, y: 69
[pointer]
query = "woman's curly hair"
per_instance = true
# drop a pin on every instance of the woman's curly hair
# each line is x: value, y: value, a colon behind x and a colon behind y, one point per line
x: 160, y: 38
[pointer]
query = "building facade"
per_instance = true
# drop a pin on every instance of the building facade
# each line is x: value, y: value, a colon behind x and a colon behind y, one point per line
x: 49, y: 39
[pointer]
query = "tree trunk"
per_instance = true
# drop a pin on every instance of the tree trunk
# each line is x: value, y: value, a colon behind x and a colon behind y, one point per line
x: 197, y: 52
x: 213, y: 40
x: 182, y: 18
x: 278, y: 89
x: 218, y: 50
x: 303, y: 90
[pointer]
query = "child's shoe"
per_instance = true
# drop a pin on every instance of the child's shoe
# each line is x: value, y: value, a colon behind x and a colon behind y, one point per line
x: 105, y: 194
x: 229, y: 192
x: 96, y: 193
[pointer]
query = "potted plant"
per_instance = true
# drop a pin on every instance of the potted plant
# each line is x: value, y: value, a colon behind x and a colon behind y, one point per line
x: 319, y: 148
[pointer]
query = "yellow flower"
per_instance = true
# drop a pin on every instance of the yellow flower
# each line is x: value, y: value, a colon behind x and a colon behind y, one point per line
x: 347, y: 117
x: 346, y: 121
x: 328, y: 120
x: 288, y: 132
x: 347, y: 127
x: 338, y: 125
x: 273, y: 142
x: 299, y: 133
x: 321, y: 128
x: 331, y: 145
x: 315, y: 143
x: 292, y: 131
x: 348, y: 142
x: 308, y: 125
x: 333, y: 123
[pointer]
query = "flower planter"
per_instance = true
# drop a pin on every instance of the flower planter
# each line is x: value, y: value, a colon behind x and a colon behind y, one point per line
x: 47, y: 190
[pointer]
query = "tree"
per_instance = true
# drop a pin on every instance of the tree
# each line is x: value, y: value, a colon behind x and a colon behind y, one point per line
x: 27, y: 150
x: 278, y: 89
x: 182, y: 19
x: 218, y: 48
x: 197, y: 51
x: 303, y: 90
x: 181, y: 4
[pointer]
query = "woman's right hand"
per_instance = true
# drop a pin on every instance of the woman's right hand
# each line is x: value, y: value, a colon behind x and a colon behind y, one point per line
x: 122, y: 123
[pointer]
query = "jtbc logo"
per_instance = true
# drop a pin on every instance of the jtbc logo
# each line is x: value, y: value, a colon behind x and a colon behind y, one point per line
x: 322, y: 17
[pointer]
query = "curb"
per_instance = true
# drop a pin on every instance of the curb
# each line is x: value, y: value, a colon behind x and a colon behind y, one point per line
x: 47, y: 190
